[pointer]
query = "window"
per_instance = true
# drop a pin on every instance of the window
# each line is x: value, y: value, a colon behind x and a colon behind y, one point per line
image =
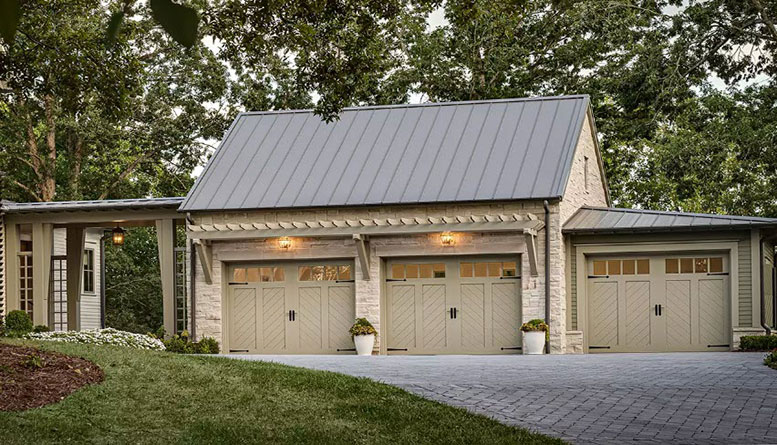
x: 25, y: 282
x: 412, y: 271
x: 622, y: 267
x: 484, y: 269
x: 88, y: 285
x: 702, y: 265
x: 257, y: 274
x: 585, y: 172
x: 328, y: 272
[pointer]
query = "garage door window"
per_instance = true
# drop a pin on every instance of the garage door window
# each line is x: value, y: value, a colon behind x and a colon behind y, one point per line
x: 694, y: 265
x: 427, y: 270
x: 622, y: 267
x: 488, y: 269
x: 257, y: 274
x: 333, y: 272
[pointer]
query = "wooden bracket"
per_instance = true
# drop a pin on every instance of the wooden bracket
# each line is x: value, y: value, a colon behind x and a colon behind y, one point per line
x: 205, y: 257
x: 531, y: 248
x: 363, y: 249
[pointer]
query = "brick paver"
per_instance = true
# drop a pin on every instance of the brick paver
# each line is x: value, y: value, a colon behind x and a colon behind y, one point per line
x: 614, y: 398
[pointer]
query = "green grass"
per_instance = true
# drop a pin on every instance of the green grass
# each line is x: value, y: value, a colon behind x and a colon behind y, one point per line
x: 153, y: 397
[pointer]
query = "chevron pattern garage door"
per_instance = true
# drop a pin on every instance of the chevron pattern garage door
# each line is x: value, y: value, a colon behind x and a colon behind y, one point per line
x: 655, y: 304
x: 291, y: 308
x: 456, y: 305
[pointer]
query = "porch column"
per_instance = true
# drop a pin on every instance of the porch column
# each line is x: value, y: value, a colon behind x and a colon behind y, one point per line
x: 41, y: 269
x: 75, y: 264
x: 165, y: 234
x: 11, y: 268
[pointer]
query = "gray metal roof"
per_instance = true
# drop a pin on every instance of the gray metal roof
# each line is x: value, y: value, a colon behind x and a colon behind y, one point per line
x: 440, y: 152
x: 106, y: 204
x: 591, y: 220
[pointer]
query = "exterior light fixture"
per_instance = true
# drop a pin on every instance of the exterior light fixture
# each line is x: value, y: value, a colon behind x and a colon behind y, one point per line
x: 446, y: 239
x: 118, y: 236
x: 284, y: 243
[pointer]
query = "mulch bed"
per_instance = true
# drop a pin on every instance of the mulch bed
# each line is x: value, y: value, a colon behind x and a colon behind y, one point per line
x: 31, y: 378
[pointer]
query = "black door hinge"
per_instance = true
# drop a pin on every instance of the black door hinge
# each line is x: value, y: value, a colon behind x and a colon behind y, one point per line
x: 396, y: 349
x: 396, y: 279
x: 598, y: 347
x: 598, y: 276
x: 513, y: 348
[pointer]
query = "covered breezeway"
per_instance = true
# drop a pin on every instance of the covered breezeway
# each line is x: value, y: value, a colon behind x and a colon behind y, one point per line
x: 27, y: 237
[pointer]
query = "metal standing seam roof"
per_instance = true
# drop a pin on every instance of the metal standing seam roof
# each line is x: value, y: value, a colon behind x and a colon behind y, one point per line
x: 106, y: 204
x: 591, y: 220
x: 401, y: 154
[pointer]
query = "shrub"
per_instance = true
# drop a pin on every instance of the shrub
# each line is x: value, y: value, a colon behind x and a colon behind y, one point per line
x: 183, y: 344
x: 107, y: 336
x: 770, y: 359
x: 758, y: 343
x: 17, y: 323
x: 362, y: 326
x: 41, y: 328
x: 208, y: 345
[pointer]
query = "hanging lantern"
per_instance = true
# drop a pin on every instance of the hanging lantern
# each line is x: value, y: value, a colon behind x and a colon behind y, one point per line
x: 446, y: 239
x: 284, y: 243
x: 118, y: 236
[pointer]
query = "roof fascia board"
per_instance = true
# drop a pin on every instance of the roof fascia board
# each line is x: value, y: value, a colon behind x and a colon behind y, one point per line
x: 91, y: 217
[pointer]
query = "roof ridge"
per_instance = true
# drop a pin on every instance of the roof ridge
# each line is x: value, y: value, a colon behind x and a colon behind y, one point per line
x: 424, y: 104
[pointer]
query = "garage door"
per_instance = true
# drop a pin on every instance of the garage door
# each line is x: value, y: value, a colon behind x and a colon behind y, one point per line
x: 453, y: 306
x: 291, y: 308
x: 655, y: 304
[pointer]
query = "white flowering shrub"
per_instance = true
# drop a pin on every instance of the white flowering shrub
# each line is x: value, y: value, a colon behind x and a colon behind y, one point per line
x: 108, y: 336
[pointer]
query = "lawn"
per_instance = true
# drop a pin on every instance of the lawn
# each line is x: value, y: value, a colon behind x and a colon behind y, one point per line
x: 157, y: 397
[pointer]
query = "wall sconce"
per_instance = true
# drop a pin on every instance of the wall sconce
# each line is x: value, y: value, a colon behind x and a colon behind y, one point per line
x: 446, y: 239
x: 284, y: 243
x: 117, y: 235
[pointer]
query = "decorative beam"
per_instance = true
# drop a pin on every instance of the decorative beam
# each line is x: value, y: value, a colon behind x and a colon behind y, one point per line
x: 230, y: 233
x: 205, y: 257
x: 531, y: 248
x: 75, y: 259
x: 362, y: 248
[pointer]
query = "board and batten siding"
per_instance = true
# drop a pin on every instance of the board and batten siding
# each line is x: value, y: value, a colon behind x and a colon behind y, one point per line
x: 744, y: 262
x: 769, y: 284
x: 90, y: 301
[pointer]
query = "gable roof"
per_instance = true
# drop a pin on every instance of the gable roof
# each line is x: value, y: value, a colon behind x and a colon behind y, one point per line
x: 597, y: 220
x: 402, y: 154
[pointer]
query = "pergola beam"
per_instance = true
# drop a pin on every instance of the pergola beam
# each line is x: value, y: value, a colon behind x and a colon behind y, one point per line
x: 362, y: 249
x: 205, y: 256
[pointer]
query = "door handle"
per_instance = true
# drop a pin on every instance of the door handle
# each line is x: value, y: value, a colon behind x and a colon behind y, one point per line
x: 293, y: 315
x: 290, y: 319
x: 659, y: 310
x: 655, y: 309
x: 455, y: 312
x: 451, y: 312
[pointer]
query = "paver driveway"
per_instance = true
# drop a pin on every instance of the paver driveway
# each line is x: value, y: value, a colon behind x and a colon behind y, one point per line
x: 615, y: 398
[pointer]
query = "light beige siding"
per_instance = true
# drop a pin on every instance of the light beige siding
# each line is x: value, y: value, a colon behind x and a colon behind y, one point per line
x: 2, y: 267
x: 769, y: 284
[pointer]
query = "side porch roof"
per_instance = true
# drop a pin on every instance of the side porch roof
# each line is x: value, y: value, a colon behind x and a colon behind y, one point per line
x: 601, y: 220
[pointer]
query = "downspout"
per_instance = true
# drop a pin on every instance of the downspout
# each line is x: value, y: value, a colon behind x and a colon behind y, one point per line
x: 547, y: 271
x: 192, y: 286
x: 761, y: 274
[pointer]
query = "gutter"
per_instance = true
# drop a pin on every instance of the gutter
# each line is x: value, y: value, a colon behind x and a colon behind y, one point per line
x: 547, y: 271
x: 763, y: 296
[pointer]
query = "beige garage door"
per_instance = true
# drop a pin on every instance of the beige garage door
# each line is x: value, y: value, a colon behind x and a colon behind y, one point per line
x: 453, y: 306
x: 655, y: 304
x: 291, y: 308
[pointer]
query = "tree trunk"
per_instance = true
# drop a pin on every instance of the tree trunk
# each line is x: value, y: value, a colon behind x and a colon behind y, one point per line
x: 48, y: 182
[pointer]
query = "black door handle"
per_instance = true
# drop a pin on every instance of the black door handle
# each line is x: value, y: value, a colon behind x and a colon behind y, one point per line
x: 659, y: 310
x: 293, y: 315
x: 451, y: 312
x: 290, y: 315
x: 655, y: 309
x: 455, y: 312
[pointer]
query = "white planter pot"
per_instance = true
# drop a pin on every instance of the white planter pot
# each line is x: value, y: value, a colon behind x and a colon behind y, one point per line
x: 364, y: 344
x: 533, y: 342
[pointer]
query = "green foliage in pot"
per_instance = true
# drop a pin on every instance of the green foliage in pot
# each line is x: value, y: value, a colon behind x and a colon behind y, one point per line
x: 536, y: 325
x: 17, y: 323
x: 362, y: 326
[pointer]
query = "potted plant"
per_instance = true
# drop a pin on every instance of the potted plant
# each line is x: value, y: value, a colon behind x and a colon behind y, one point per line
x: 535, y: 333
x: 363, y: 334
